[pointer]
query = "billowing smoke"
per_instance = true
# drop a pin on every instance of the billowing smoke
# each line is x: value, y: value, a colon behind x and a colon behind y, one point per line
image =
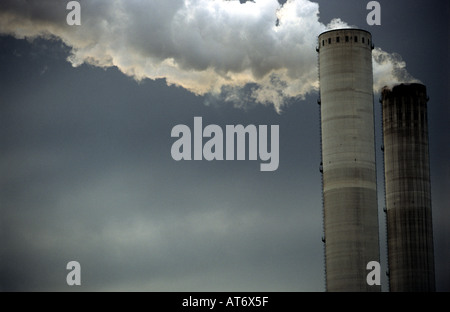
x: 257, y: 51
x: 389, y: 69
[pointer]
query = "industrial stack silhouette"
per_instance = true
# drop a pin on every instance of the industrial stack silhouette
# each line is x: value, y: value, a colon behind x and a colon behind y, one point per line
x: 349, y: 181
x: 408, y: 190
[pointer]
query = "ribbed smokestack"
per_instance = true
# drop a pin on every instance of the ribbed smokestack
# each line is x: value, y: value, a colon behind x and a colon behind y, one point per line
x: 408, y: 191
x: 348, y: 158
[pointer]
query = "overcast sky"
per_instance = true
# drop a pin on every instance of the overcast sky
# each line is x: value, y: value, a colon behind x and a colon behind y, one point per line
x: 86, y: 114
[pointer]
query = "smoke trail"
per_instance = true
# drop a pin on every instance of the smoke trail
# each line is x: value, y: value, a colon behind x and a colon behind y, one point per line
x: 239, y: 52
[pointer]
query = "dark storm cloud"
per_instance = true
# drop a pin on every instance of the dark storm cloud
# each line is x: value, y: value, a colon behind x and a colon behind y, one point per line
x: 87, y: 176
x: 132, y: 228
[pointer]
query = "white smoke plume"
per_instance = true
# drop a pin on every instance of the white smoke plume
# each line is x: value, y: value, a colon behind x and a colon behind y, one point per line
x: 213, y: 47
x: 389, y: 69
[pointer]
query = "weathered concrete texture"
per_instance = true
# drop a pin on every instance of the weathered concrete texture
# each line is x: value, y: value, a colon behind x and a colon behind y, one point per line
x: 408, y: 191
x: 348, y: 157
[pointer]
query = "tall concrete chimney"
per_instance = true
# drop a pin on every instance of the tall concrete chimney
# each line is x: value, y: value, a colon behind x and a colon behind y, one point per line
x: 408, y: 190
x: 348, y: 158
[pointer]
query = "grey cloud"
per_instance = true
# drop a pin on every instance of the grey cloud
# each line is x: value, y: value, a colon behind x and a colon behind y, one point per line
x: 204, y: 46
